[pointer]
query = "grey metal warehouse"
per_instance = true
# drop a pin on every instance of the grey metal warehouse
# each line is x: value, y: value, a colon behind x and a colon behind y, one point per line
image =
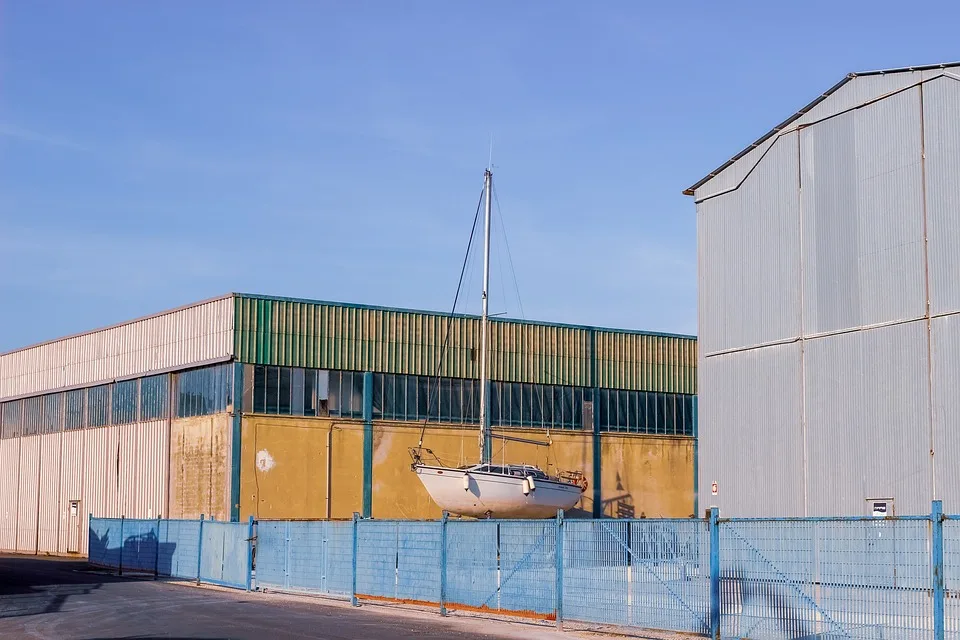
x: 829, y: 305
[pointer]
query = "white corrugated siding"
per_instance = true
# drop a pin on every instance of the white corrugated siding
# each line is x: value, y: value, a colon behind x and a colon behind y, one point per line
x: 867, y: 420
x: 863, y: 217
x: 945, y: 344
x: 29, y: 499
x: 100, y: 481
x: 941, y: 106
x: 72, y: 464
x: 750, y: 433
x: 153, y: 469
x: 749, y: 257
x: 49, y: 515
x: 176, y: 339
x: 866, y: 388
x: 9, y: 492
x: 128, y: 479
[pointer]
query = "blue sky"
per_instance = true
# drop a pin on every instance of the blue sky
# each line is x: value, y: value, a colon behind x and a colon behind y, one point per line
x: 153, y: 154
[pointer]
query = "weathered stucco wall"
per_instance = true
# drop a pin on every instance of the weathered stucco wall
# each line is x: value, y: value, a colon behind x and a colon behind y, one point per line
x: 284, y: 468
x: 200, y: 467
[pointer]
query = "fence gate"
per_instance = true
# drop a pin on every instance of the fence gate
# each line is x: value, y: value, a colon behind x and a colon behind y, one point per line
x: 653, y: 574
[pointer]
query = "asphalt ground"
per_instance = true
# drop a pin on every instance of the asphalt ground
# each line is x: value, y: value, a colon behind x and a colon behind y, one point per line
x: 58, y: 598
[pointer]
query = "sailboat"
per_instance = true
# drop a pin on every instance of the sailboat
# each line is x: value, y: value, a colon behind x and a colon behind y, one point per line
x: 485, y: 489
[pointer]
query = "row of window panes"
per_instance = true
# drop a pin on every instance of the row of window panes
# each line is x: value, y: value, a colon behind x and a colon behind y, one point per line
x: 199, y: 392
x: 312, y: 392
x: 647, y: 412
x: 118, y: 403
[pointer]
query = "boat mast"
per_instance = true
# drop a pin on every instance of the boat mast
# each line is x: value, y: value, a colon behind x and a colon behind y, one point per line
x: 484, y: 422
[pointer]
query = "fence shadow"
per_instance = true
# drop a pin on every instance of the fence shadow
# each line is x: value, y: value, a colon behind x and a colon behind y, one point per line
x: 142, y: 553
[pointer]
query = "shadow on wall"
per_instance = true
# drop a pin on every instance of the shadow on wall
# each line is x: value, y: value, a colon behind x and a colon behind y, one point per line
x: 141, y: 553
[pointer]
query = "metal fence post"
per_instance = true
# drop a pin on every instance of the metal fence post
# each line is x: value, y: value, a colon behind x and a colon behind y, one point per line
x: 353, y: 590
x: 286, y: 554
x: 156, y: 555
x: 120, y: 572
x: 715, y: 573
x: 558, y: 553
x: 936, y: 521
x: 443, y: 564
x: 199, y: 548
x: 250, y: 544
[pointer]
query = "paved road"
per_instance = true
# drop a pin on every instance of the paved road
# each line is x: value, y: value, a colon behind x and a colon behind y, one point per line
x: 56, y: 598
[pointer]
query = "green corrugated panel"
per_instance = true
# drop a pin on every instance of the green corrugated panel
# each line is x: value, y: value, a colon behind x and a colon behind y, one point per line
x: 352, y: 337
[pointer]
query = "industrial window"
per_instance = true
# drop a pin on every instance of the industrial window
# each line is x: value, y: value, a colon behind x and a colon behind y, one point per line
x: 52, y: 413
x: 73, y: 412
x: 290, y: 391
x: 205, y: 391
x: 154, y: 392
x: 98, y: 406
x: 32, y: 416
x: 125, y: 402
x: 11, y: 415
x: 646, y: 412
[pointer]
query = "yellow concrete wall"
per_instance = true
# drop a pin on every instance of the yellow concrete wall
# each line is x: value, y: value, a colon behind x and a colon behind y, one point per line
x: 641, y: 474
x: 647, y: 475
x: 397, y: 492
x: 200, y: 467
x: 283, y: 467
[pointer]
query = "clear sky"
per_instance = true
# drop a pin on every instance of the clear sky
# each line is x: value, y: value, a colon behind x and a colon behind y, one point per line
x: 158, y: 153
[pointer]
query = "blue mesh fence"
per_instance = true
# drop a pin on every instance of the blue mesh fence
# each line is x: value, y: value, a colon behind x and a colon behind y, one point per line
x: 140, y: 545
x: 855, y: 578
x: 418, y: 561
x: 308, y: 556
x: 377, y: 558
x: 105, y: 542
x: 179, y: 548
x: 806, y: 578
x: 528, y: 566
x: 472, y: 568
x: 951, y: 576
x: 224, y: 553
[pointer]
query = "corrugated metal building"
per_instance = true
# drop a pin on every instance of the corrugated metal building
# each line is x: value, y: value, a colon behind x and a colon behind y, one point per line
x: 828, y: 304
x: 255, y: 405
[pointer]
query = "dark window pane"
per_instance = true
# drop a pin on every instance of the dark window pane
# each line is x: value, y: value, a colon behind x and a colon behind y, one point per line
x: 357, y: 404
x: 570, y: 417
x: 661, y: 413
x: 445, y: 389
x: 297, y: 376
x: 125, y: 402
x: 273, y: 390
x: 516, y: 404
x: 98, y: 406
x: 456, y: 401
x: 603, y: 406
x: 154, y: 391
x: 423, y: 398
x: 389, y: 409
x: 73, y: 409
x: 671, y: 400
x: 259, y: 389
x: 378, y: 395
x: 412, y: 404
x: 577, y: 409
x: 623, y: 409
x: 32, y: 412
x: 52, y: 413
x: 285, y: 393
x: 526, y: 406
x: 333, y: 393
x: 310, y: 392
x: 12, y: 415
x: 546, y: 405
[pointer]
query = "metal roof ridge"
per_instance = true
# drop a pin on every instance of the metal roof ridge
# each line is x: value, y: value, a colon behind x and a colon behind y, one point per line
x: 118, y: 324
x: 689, y: 191
x: 372, y: 307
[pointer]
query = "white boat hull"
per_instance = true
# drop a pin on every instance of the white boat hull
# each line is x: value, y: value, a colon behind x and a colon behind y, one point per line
x: 491, y: 495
